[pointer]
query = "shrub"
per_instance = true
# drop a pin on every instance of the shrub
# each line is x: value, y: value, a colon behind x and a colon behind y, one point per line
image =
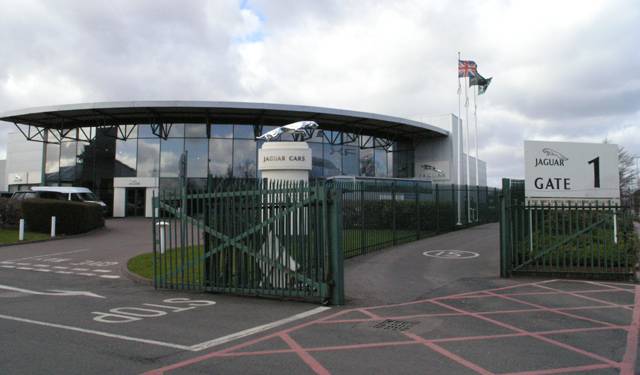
x: 10, y: 213
x: 71, y: 217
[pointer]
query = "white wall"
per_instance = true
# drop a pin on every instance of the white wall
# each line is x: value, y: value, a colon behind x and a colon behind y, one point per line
x: 443, y: 153
x: 24, y: 160
x: 3, y: 175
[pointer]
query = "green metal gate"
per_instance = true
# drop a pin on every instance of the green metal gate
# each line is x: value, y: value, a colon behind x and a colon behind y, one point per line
x: 592, y: 240
x: 279, y: 239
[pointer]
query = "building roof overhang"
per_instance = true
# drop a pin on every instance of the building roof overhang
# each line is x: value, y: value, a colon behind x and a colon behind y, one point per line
x: 73, y: 116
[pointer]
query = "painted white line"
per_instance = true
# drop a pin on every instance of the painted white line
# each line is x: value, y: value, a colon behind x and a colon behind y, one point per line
x: 41, y: 265
x: 110, y: 276
x: 7, y: 266
x: 24, y: 268
x: 64, y: 272
x: 97, y: 333
x: 86, y: 274
x: 41, y: 270
x: 79, y: 269
x: 7, y: 262
x: 101, y: 271
x: 48, y: 255
x: 60, y: 267
x: 55, y: 293
x: 23, y: 264
x: 254, y: 330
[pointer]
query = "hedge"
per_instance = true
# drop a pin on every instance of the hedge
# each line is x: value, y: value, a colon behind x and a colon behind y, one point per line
x: 71, y: 217
x: 10, y: 213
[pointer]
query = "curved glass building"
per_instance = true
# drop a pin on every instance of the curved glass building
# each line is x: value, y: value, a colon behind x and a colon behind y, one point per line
x: 124, y: 151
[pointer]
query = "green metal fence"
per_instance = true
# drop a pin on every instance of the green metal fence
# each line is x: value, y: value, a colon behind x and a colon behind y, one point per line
x: 379, y: 213
x: 251, y: 237
x: 593, y: 240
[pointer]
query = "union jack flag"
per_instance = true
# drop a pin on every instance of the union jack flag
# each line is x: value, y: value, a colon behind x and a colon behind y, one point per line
x: 467, y: 68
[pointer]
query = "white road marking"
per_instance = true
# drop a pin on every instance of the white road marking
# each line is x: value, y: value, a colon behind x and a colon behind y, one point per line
x: 192, y: 348
x: 23, y: 264
x: 7, y: 262
x: 24, y: 268
x: 7, y: 266
x: 41, y: 265
x: 57, y: 293
x: 254, y: 330
x: 79, y: 269
x: 41, y: 270
x: 86, y: 274
x: 101, y: 270
x: 98, y: 333
x: 110, y: 276
x: 64, y: 272
x: 60, y: 267
x: 48, y: 255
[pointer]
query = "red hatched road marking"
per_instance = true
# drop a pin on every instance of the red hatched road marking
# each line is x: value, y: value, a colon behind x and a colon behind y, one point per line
x: 627, y: 365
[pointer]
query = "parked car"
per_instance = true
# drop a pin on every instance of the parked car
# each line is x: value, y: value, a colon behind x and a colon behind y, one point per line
x: 71, y: 193
x: 5, y: 194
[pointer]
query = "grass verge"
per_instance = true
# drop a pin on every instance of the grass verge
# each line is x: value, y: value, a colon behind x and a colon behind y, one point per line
x: 10, y: 236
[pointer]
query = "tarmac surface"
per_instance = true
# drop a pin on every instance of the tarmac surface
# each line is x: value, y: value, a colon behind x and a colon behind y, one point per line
x: 407, y: 312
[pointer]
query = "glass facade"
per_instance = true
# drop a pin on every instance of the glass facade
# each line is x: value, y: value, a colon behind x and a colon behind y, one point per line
x: 222, y: 150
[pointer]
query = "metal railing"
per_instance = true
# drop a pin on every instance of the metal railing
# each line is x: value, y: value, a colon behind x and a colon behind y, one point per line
x: 586, y: 239
x: 378, y: 213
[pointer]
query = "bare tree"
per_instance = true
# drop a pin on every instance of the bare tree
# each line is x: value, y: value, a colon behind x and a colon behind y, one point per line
x: 626, y: 171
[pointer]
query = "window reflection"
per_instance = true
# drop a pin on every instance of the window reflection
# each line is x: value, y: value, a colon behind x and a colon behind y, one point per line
x: 148, y: 157
x: 67, y: 160
x: 367, y: 167
x: 170, y: 152
x: 52, y: 162
x: 195, y: 130
x: 350, y: 160
x: 243, y: 131
x: 221, y: 131
x: 317, y: 160
x: 220, y: 157
x: 144, y: 131
x: 244, y: 158
x: 197, y: 157
x: 176, y: 131
x: 125, y: 164
x: 381, y: 162
x: 332, y: 160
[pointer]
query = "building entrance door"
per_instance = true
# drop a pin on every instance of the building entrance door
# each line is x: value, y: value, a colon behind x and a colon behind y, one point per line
x: 135, y: 198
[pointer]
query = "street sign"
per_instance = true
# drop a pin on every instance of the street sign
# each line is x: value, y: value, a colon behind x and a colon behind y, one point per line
x: 571, y: 171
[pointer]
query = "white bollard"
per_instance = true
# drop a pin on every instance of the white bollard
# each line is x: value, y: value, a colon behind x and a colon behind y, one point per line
x: 161, y: 225
x: 53, y: 226
x: 21, y: 230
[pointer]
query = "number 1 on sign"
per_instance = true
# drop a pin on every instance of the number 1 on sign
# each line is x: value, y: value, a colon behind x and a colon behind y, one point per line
x: 596, y: 171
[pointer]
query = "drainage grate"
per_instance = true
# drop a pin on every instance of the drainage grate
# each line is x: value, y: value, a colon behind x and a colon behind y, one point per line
x: 395, y: 325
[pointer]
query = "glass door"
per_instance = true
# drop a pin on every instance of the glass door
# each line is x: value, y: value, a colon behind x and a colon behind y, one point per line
x: 135, y: 198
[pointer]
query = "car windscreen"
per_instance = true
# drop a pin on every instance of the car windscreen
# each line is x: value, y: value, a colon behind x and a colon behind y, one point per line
x: 87, y: 196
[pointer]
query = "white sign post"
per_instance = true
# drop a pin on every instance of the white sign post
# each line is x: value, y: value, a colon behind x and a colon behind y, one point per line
x: 572, y: 172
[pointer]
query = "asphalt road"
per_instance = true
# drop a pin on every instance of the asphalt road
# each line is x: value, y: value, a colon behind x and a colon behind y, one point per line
x: 65, y: 307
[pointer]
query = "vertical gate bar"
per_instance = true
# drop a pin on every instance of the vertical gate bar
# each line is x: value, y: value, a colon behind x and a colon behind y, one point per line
x: 504, y: 230
x: 337, y: 259
x: 437, y: 209
x: 154, y: 222
x: 393, y: 213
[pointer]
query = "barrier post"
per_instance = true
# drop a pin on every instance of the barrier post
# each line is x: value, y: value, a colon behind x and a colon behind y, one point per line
x: 337, y: 256
x: 53, y: 226
x: 504, y: 228
x: 21, y: 230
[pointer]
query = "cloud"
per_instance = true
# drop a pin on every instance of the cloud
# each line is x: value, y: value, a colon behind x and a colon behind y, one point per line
x: 562, y: 70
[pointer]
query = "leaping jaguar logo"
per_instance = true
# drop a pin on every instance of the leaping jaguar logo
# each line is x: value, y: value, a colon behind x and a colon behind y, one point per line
x: 551, y: 152
x: 554, y: 158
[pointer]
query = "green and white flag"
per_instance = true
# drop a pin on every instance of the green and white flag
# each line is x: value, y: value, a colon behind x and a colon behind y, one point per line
x: 481, y: 82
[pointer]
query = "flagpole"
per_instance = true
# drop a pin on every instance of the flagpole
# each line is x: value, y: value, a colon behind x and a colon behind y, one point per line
x: 466, y: 105
x: 475, y: 117
x: 459, y: 143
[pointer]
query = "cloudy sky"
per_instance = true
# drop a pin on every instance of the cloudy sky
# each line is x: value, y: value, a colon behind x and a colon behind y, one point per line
x: 563, y: 70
